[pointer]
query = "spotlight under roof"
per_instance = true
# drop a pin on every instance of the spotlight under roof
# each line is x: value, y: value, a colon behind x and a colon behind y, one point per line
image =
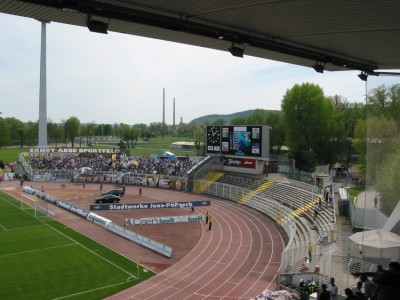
x: 96, y: 25
x: 318, y: 67
x: 236, y: 51
x: 363, y: 76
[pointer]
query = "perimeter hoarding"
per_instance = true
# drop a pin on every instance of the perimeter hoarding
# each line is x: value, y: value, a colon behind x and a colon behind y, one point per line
x: 134, y: 206
x: 165, y: 220
x: 251, y: 141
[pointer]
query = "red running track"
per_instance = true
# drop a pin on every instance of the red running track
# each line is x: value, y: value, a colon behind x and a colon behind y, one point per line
x: 237, y: 259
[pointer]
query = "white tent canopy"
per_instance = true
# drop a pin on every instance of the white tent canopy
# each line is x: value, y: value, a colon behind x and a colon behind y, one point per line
x: 378, y: 243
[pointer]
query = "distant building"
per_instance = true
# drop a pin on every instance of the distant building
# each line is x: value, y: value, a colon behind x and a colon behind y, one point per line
x: 183, y: 146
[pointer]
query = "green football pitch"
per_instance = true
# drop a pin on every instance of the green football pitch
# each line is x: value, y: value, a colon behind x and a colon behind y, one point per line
x: 41, y: 258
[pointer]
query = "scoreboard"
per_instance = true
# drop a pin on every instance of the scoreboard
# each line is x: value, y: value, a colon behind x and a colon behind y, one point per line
x: 251, y: 140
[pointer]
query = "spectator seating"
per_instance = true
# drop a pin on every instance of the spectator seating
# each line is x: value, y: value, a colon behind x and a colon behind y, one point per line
x: 309, y: 227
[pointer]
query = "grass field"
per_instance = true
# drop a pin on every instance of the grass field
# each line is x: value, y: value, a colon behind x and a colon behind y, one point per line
x: 41, y: 258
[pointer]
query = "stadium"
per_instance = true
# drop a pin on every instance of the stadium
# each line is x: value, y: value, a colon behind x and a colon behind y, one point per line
x: 266, y: 222
x: 254, y: 227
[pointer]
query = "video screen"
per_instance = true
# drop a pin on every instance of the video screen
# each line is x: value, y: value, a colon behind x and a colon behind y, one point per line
x: 242, y: 140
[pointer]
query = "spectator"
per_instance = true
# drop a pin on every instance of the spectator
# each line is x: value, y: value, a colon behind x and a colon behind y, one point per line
x: 323, y: 293
x: 349, y: 294
x: 389, y: 282
x: 332, y: 289
x: 357, y: 288
x: 379, y: 269
x: 310, y: 250
x: 357, y: 291
x: 303, y: 291
x: 305, y: 266
x: 370, y: 288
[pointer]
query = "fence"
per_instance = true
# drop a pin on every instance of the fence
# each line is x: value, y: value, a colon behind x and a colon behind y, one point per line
x: 303, y: 185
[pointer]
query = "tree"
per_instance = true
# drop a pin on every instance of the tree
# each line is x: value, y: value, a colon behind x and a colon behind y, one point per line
x: 134, y: 135
x: 258, y: 117
x: 90, y: 131
x: 239, y: 121
x: 143, y: 128
x: 72, y: 127
x: 274, y: 119
x: 31, y: 132
x: 4, y: 133
x: 16, y: 129
x: 277, y: 133
x: 219, y: 122
x: 387, y: 182
x: 310, y: 127
x: 199, y: 137
x: 108, y: 130
x: 383, y: 139
x: 52, y: 131
x: 186, y: 130
x: 347, y: 115
x: 374, y: 140
x: 155, y: 128
x: 125, y: 133
x: 117, y: 129
x: 385, y: 100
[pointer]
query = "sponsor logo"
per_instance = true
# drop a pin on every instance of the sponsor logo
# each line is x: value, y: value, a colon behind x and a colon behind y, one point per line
x: 123, y: 206
x: 248, y: 163
x: 164, y: 220
x: 233, y: 162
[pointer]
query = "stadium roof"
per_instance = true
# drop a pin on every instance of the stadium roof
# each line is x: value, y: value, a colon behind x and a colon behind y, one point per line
x: 327, y: 35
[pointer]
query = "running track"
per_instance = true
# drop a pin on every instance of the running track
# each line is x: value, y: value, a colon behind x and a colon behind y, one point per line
x: 237, y: 259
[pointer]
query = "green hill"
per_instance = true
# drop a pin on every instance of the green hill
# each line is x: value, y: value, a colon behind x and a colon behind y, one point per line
x: 209, y: 119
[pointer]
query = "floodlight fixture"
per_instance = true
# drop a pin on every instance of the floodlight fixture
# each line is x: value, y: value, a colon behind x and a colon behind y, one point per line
x: 236, y: 51
x: 96, y: 25
x: 319, y: 67
x: 363, y: 76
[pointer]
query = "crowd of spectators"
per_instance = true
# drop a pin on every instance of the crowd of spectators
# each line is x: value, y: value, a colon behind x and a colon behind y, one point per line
x: 135, y: 165
x: 385, y: 284
x: 71, y: 163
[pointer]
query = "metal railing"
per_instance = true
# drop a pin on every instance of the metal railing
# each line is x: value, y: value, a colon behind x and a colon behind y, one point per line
x: 280, y: 213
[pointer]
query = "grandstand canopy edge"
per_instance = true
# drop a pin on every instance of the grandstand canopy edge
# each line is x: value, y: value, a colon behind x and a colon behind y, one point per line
x: 344, y: 35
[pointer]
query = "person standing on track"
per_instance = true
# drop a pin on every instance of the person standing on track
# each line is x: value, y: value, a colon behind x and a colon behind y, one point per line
x: 209, y: 222
x: 140, y: 191
x: 207, y: 216
x: 310, y: 250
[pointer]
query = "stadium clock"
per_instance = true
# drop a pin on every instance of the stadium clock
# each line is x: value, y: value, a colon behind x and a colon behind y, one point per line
x: 213, y: 135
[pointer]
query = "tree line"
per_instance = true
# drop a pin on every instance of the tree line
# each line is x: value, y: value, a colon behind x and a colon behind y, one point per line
x: 15, y: 132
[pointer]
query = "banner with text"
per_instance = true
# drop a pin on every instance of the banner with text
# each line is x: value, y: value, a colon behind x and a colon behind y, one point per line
x: 132, y: 206
x: 164, y: 220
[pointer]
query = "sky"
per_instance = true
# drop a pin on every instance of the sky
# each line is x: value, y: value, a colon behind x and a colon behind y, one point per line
x: 116, y: 78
